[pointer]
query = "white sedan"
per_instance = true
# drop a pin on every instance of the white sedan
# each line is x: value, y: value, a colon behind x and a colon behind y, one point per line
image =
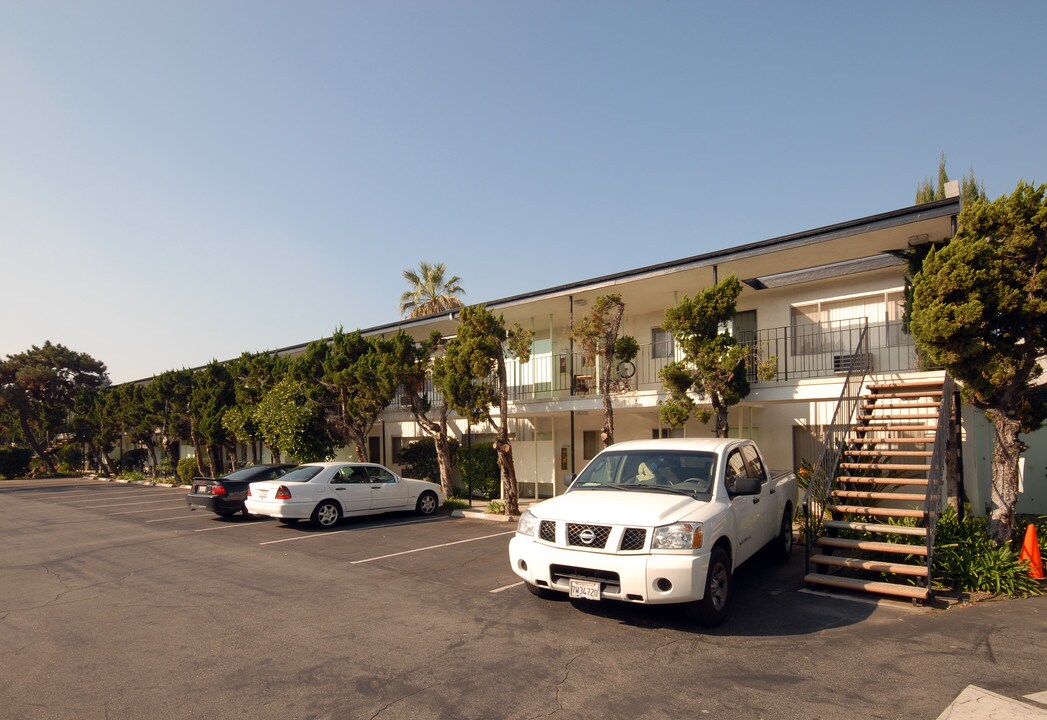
x: 328, y: 491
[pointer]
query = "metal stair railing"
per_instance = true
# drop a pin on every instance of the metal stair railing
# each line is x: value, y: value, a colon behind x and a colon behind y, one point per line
x: 823, y: 476
x: 936, y: 476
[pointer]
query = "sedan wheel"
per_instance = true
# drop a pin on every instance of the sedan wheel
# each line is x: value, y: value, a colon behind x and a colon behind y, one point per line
x: 326, y: 515
x: 427, y: 503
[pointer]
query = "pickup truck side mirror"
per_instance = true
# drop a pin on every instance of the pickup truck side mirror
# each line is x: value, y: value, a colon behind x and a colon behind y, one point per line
x: 746, y: 486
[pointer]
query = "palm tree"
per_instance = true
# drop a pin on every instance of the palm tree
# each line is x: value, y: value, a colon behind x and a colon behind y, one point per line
x: 429, y: 293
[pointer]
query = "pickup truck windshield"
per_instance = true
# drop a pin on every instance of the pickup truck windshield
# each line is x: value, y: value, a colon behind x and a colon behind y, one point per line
x: 689, y: 472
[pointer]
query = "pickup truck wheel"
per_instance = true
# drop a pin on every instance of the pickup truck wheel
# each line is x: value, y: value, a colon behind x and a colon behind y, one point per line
x: 713, y: 609
x: 326, y: 515
x: 541, y: 592
x: 782, y: 546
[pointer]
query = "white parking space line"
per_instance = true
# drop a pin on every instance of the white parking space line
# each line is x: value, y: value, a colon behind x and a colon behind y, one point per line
x: 96, y: 497
x: 135, y: 512
x: 126, y: 504
x: 304, y: 537
x: 355, y: 529
x: 225, y: 527
x: 431, y: 547
x: 507, y: 587
x: 180, y: 517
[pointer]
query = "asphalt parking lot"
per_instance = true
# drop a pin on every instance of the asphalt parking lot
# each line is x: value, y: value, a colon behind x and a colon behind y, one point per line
x: 116, y: 601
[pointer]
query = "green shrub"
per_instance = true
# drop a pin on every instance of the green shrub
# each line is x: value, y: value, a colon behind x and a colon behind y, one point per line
x: 14, y: 462
x: 456, y: 503
x: 70, y: 458
x: 496, y: 507
x: 418, y: 459
x: 134, y: 459
x: 186, y: 470
x: 967, y: 559
x: 480, y: 470
x: 132, y: 475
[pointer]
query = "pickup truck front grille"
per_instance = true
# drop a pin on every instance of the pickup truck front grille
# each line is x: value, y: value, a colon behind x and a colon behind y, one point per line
x: 634, y: 538
x: 589, y: 536
x: 547, y: 531
x: 609, y: 581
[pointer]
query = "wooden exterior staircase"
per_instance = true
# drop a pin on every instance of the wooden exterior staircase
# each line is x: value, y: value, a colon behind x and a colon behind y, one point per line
x: 871, y: 520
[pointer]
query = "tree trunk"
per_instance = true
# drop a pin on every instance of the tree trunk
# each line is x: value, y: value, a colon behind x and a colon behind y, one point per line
x: 254, y: 453
x: 234, y: 456
x: 151, y: 446
x: 505, y: 450
x: 1005, y: 453
x: 438, y: 429
x: 41, y: 452
x: 607, y: 432
x: 720, y: 413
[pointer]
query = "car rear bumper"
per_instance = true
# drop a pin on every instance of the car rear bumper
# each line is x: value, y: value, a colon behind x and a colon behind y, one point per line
x: 279, y: 509
x: 216, y: 504
x: 642, y: 578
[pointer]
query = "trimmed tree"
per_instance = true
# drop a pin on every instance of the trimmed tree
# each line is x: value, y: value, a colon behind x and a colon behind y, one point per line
x: 291, y: 424
x: 598, y: 332
x: 473, y: 377
x: 713, y: 364
x: 353, y: 378
x: 980, y: 310
x: 414, y: 365
x: 39, y: 388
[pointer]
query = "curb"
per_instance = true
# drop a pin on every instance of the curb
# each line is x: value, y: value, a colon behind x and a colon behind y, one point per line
x: 481, y: 515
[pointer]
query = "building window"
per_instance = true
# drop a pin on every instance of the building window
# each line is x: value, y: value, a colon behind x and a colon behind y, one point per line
x: 374, y: 449
x: 661, y: 433
x: 832, y: 325
x: 661, y: 343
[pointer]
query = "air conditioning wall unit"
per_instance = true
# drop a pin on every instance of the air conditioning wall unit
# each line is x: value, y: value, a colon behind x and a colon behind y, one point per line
x: 849, y: 363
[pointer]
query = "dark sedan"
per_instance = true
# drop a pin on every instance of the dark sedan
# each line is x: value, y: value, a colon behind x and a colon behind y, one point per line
x: 225, y: 495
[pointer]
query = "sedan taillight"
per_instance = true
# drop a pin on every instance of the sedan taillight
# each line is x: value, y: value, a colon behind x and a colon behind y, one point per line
x: 218, y: 490
x: 282, y: 493
x: 248, y: 491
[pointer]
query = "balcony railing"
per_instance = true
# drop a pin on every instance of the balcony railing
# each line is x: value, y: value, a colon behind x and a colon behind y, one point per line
x: 794, y: 353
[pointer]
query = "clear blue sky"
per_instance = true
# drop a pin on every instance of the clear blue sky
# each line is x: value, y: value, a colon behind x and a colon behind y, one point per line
x: 181, y: 181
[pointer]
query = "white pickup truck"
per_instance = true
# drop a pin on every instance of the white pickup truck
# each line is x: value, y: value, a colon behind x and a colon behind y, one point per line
x: 658, y: 521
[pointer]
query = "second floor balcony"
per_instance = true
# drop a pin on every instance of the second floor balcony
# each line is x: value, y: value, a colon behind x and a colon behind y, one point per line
x: 797, y: 353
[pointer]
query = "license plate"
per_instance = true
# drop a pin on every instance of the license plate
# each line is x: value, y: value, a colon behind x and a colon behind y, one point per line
x: 201, y: 490
x: 585, y: 589
x: 263, y: 494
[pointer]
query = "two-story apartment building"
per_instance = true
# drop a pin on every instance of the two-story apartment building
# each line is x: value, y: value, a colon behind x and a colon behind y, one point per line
x: 806, y: 299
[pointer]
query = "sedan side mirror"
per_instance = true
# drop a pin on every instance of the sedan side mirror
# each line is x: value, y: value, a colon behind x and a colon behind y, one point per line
x: 746, y: 486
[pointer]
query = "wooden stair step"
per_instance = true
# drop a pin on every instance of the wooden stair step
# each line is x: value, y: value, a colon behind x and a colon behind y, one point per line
x: 876, y: 528
x: 885, y: 466
x: 876, y: 511
x: 868, y: 586
x: 895, y: 428
x: 881, y: 481
x: 873, y: 546
x: 871, y: 565
x: 890, y: 453
x: 903, y: 395
x: 888, y: 441
x: 906, y: 385
x: 900, y: 406
x: 867, y: 495
x: 899, y: 416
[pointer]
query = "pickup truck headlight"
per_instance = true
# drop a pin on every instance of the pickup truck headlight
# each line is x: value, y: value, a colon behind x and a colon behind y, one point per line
x: 528, y: 523
x: 678, y: 536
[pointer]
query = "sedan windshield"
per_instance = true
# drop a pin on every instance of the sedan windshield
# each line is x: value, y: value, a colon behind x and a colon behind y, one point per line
x: 302, y: 473
x: 687, y: 472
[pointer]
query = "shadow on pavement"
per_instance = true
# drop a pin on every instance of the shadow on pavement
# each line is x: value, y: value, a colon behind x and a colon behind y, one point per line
x: 767, y: 603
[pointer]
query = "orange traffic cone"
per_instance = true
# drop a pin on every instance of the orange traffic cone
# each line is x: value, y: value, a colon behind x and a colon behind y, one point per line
x: 1031, y: 553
